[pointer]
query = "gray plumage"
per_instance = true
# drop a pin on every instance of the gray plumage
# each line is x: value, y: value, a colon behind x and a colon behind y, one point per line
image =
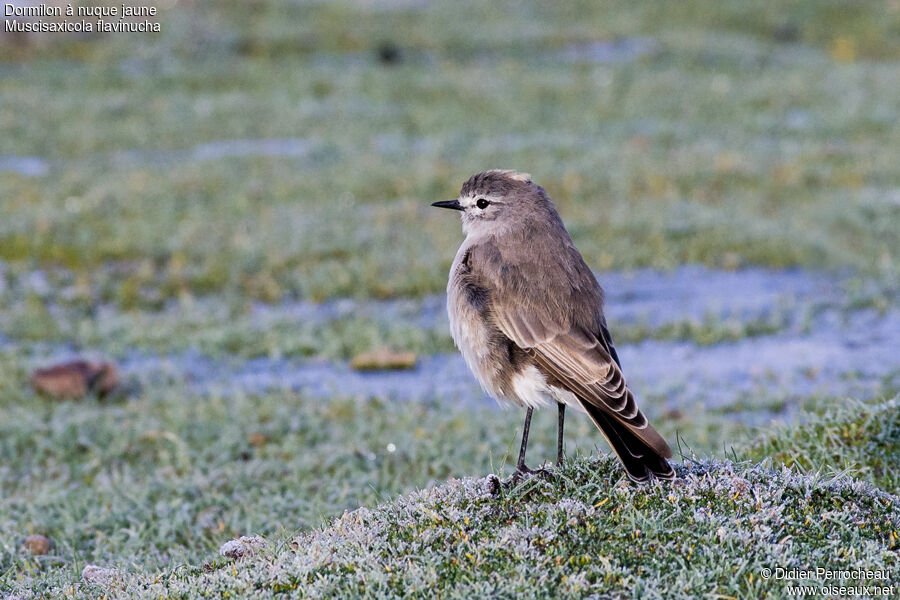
x: 527, y: 315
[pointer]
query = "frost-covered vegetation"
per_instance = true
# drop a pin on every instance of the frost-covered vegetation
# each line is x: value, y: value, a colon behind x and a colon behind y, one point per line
x: 588, y: 531
x: 152, y: 486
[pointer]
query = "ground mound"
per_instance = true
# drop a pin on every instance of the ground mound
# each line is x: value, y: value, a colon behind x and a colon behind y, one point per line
x: 716, y: 531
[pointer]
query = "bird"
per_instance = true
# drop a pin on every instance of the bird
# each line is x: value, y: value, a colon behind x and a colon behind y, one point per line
x: 526, y: 313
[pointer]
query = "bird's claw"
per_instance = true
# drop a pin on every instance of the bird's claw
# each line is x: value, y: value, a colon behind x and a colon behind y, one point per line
x: 522, y: 472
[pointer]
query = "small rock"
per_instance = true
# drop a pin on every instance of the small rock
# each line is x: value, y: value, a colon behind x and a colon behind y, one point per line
x: 257, y: 439
x: 740, y: 486
x: 75, y: 379
x: 37, y: 544
x: 673, y: 414
x: 730, y: 261
x: 492, y: 486
x: 812, y: 372
x: 244, y: 546
x: 98, y: 575
x: 383, y: 359
x: 388, y: 53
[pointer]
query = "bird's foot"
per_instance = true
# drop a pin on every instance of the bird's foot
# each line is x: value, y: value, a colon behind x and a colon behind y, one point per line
x: 522, y: 472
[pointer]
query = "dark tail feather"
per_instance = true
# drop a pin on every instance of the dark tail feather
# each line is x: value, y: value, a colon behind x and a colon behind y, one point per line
x: 638, y: 458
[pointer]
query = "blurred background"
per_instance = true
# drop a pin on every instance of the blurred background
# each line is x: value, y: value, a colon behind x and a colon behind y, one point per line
x: 234, y: 214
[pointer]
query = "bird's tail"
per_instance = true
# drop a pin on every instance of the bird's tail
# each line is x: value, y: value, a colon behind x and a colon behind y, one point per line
x: 638, y: 457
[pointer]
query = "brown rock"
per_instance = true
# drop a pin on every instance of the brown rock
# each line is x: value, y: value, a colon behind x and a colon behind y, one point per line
x: 673, y: 414
x: 383, y: 359
x: 75, y: 379
x: 37, y: 544
x: 257, y: 439
x: 244, y: 546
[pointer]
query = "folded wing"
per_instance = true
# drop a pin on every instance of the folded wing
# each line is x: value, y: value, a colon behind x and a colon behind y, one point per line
x: 563, y: 330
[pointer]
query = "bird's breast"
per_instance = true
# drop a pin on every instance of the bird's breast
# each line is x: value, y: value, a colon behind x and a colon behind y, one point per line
x: 472, y: 331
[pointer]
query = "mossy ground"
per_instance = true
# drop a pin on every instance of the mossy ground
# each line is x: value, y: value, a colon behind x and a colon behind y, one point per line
x: 715, y: 530
x: 155, y: 483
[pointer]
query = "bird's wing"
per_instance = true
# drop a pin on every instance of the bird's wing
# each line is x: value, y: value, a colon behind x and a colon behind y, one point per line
x: 562, y: 329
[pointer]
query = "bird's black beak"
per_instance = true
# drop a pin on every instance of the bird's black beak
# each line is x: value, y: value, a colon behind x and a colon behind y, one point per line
x: 452, y: 204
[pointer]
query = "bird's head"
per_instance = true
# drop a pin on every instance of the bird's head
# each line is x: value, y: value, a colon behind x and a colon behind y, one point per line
x: 495, y: 201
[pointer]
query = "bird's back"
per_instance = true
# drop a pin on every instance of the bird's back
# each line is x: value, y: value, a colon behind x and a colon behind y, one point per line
x: 539, y: 268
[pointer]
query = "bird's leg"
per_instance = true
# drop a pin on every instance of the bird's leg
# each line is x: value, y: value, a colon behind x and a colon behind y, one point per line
x: 520, y: 466
x: 559, y: 434
x: 521, y: 469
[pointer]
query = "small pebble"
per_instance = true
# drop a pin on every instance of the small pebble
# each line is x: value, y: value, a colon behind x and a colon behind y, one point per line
x: 98, y: 575
x: 383, y: 359
x: 388, y: 53
x: 37, y: 544
x: 244, y: 546
x: 257, y: 439
x: 493, y: 486
x: 76, y: 379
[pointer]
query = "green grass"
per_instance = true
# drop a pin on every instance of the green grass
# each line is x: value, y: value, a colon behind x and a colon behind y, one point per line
x: 725, y: 146
x: 216, y: 328
x: 165, y: 477
x: 856, y: 439
x: 587, y: 532
x: 751, y: 135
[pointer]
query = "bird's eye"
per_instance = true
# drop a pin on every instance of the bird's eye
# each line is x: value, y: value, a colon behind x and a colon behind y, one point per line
x: 482, y: 203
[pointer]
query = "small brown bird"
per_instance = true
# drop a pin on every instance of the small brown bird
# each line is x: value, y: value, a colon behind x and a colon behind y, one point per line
x: 527, y: 314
